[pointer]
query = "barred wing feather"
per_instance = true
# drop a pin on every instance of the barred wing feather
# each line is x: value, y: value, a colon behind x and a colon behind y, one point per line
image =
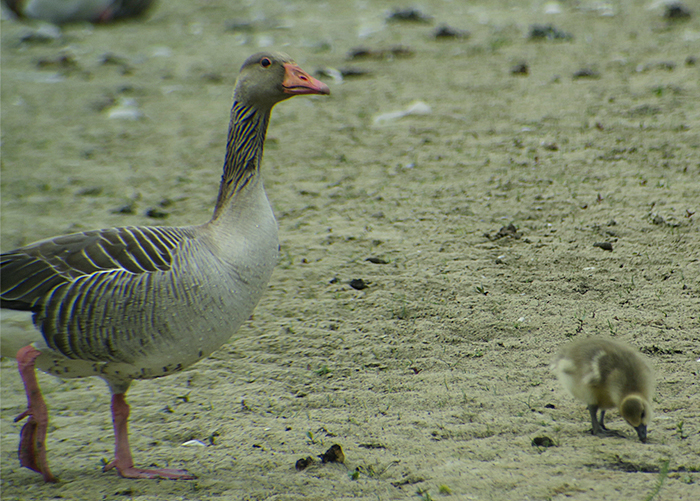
x: 28, y: 274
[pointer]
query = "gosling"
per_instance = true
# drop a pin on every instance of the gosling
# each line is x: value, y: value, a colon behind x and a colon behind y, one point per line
x: 606, y: 374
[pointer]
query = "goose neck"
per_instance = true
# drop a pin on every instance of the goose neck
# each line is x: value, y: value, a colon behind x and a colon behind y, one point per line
x: 244, y: 150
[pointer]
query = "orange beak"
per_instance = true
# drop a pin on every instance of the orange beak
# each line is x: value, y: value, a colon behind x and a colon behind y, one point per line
x: 297, y: 82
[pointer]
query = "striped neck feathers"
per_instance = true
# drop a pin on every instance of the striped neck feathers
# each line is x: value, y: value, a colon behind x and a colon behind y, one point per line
x: 244, y: 150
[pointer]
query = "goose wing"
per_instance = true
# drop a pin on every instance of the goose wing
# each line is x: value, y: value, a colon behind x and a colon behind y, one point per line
x: 29, y: 274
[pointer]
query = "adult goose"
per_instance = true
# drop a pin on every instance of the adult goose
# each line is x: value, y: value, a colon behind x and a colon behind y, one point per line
x: 144, y: 302
x: 607, y: 374
x: 71, y: 11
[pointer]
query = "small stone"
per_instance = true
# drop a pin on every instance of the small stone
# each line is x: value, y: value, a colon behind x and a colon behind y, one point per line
x: 239, y: 25
x: 350, y: 72
x: 548, y: 32
x: 395, y: 52
x: 156, y: 213
x: 606, y: 246
x: 376, y: 260
x: 333, y: 455
x: 92, y: 191
x: 543, y: 441
x: 360, y: 53
x: 444, y: 31
x: 358, y: 284
x: 586, y: 73
x: 408, y: 15
x: 61, y: 62
x: 506, y: 231
x: 657, y: 219
x: 372, y: 445
x: 124, y: 209
x: 304, y: 463
x: 520, y: 69
x: 676, y: 11
x: 109, y: 58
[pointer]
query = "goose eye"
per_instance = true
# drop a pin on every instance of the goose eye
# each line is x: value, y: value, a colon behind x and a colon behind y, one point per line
x: 265, y: 62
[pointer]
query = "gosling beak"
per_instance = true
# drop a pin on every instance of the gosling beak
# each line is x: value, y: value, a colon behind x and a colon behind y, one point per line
x: 297, y: 82
x: 642, y: 432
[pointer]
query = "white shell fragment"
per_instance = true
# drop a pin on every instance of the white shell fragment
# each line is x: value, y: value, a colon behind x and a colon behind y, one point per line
x: 552, y: 8
x: 125, y: 109
x: 194, y: 443
x: 415, y: 108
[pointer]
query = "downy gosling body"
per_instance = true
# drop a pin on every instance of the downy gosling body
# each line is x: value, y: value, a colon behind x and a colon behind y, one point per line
x: 607, y: 374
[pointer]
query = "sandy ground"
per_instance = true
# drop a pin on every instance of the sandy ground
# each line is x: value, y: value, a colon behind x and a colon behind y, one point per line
x: 434, y: 379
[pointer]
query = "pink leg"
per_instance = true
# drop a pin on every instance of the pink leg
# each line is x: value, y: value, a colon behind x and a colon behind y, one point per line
x: 32, y: 442
x: 122, y: 451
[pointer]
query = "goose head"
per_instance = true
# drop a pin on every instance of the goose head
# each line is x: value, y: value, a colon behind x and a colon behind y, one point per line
x: 266, y: 78
x: 637, y: 412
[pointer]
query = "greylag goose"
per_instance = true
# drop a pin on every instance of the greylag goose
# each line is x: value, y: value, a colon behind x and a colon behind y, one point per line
x: 70, y: 11
x: 607, y: 374
x: 144, y: 302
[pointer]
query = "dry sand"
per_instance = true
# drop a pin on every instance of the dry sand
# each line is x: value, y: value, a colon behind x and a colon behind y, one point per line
x: 434, y: 379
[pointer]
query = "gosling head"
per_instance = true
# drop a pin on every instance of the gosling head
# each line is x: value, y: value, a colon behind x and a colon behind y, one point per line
x: 637, y: 412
